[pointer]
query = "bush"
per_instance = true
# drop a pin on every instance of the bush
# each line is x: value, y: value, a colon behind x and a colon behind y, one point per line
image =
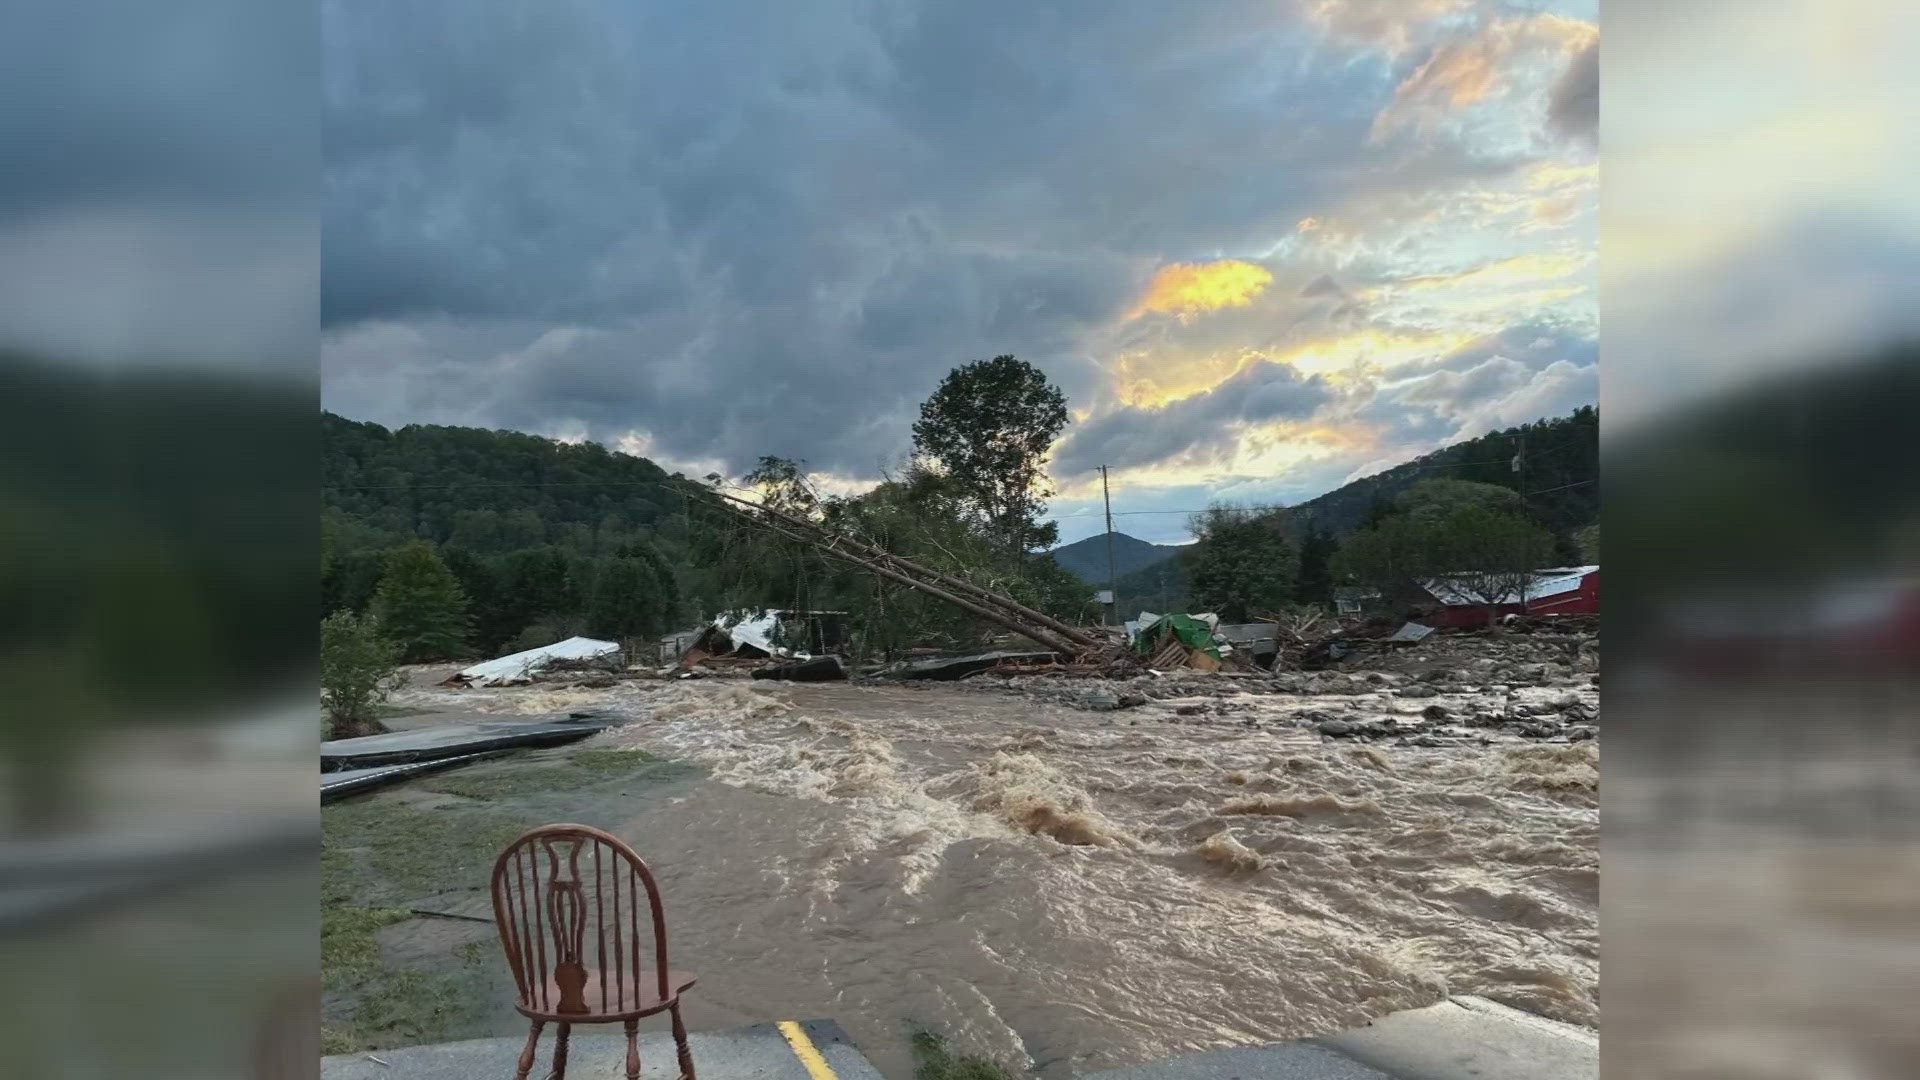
x: 356, y: 673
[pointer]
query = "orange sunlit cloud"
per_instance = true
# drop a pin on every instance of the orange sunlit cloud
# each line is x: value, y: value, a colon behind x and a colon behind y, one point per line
x: 1471, y: 69
x: 1189, y: 289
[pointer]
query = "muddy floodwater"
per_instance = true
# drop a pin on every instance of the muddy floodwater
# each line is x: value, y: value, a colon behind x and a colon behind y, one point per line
x: 1069, y: 890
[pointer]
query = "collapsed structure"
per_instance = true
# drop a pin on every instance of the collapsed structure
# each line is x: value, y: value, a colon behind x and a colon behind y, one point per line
x: 767, y: 635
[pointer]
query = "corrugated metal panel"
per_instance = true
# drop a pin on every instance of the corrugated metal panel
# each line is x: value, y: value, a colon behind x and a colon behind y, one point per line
x: 1546, y: 584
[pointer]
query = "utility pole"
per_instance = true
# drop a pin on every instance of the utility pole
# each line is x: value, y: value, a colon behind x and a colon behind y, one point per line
x: 1113, y: 594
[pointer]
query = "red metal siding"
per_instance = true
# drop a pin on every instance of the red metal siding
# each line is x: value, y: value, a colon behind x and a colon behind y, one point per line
x: 1584, y: 600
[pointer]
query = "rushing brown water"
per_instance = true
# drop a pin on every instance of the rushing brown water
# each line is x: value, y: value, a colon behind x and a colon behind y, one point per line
x: 1071, y: 890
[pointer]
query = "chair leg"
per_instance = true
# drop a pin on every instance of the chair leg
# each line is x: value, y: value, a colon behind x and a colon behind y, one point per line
x: 680, y: 1044
x: 526, y: 1056
x: 633, y: 1049
x: 560, y: 1050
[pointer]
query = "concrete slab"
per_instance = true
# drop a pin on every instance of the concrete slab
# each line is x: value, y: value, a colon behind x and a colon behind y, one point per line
x: 760, y: 1052
x: 449, y: 740
x: 343, y: 782
x: 1471, y: 1038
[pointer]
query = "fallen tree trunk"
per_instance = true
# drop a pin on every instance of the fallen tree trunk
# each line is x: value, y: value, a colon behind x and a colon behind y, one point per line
x: 998, y: 618
x: 946, y: 585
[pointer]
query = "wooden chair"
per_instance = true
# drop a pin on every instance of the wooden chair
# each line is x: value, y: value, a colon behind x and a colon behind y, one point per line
x: 568, y: 902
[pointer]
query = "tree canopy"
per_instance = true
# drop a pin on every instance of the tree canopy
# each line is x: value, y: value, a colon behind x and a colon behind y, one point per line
x: 987, y: 429
x: 419, y: 605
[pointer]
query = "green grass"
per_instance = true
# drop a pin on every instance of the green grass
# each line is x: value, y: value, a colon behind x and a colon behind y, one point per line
x: 933, y: 1061
x: 376, y: 854
x: 380, y: 853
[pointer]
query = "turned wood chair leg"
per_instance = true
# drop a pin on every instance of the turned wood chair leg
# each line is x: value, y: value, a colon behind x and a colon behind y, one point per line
x: 560, y: 1050
x: 633, y: 1049
x: 526, y: 1056
x: 680, y: 1044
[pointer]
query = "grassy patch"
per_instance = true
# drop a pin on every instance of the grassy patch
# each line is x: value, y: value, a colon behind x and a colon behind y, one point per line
x: 375, y: 855
x: 378, y: 854
x: 582, y: 768
x: 933, y: 1061
x: 391, y: 712
x: 385, y: 850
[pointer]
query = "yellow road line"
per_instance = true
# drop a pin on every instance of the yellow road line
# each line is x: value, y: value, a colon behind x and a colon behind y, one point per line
x: 803, y: 1049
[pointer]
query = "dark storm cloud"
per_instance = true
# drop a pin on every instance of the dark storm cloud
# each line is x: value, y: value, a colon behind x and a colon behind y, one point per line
x: 1134, y: 435
x: 125, y: 101
x: 1574, y: 106
x: 778, y: 225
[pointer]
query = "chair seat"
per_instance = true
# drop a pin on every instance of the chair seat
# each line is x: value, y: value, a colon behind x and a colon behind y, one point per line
x: 643, y: 1000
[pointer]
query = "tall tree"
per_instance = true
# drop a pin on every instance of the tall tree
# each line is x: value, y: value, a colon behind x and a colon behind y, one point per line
x: 1315, y: 583
x: 420, y: 606
x: 1244, y: 565
x: 989, y: 427
x: 496, y: 619
x: 625, y: 601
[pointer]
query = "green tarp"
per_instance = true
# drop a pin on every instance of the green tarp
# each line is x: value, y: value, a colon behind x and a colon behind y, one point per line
x: 1192, y: 633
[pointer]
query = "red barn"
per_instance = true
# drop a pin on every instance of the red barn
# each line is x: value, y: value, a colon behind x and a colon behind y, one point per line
x: 1560, y: 590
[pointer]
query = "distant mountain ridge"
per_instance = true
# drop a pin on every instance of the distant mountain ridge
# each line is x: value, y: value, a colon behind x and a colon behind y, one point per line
x: 1087, y: 559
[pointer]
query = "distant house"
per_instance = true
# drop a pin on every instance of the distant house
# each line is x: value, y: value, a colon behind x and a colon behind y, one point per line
x: 1560, y: 590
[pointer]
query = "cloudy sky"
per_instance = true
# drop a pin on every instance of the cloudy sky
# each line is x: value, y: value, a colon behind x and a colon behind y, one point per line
x: 1265, y: 246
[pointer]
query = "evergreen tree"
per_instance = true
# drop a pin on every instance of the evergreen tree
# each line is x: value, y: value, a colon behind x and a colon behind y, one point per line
x: 496, y: 621
x: 1315, y: 584
x: 420, y: 606
x: 625, y: 600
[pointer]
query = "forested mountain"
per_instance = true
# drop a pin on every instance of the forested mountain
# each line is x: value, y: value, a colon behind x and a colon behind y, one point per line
x: 1087, y: 559
x: 1557, y: 471
x: 1557, y: 474
x: 530, y: 526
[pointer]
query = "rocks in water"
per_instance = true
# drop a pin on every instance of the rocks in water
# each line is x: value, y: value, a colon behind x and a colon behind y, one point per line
x: 1335, y: 728
x: 1418, y: 692
x: 1435, y: 711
